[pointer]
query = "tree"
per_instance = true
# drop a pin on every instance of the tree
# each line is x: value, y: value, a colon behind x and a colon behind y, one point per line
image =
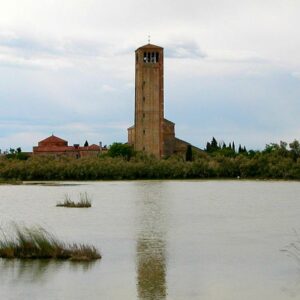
x: 295, y: 149
x: 240, y: 149
x: 86, y: 144
x: 121, y: 150
x: 189, y: 154
x: 17, y: 154
x: 214, y: 144
x: 233, y: 147
x: 208, y: 147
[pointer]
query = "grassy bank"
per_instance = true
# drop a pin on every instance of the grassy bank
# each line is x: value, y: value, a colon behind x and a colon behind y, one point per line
x: 10, y: 181
x: 273, y: 164
x: 37, y: 243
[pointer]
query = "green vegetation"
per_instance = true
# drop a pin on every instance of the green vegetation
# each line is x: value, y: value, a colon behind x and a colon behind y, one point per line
x: 10, y: 181
x: 85, y: 201
x: 121, y: 150
x: 276, y: 161
x: 37, y: 243
x: 17, y: 154
x: 189, y: 153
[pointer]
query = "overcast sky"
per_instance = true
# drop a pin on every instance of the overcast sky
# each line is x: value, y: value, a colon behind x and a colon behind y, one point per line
x: 232, y: 69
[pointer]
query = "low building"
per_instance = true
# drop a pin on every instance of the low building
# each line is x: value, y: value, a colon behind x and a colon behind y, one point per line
x: 56, y: 146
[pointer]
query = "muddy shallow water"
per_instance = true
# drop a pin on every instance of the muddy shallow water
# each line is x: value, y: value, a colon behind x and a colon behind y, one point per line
x: 160, y: 240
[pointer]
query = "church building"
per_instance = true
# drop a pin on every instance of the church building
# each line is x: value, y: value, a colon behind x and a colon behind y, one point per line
x: 151, y: 132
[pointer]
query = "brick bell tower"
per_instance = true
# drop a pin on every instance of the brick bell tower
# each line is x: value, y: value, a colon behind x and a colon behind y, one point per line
x: 147, y: 132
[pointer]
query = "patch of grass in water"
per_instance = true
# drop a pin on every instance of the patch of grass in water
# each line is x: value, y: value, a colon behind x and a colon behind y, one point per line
x: 84, y: 201
x: 11, y: 181
x: 37, y: 243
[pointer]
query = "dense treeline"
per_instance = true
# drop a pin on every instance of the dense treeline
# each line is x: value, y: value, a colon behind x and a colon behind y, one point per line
x: 276, y: 161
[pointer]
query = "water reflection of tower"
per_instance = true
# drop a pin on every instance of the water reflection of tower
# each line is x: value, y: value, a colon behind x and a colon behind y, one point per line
x: 151, y: 244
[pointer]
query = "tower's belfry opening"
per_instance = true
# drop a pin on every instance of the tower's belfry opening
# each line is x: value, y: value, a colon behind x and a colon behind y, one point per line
x: 152, y: 133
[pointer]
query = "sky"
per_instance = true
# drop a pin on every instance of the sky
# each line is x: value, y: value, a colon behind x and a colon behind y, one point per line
x: 232, y: 69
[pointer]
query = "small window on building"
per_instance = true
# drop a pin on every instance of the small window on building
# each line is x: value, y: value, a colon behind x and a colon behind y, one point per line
x: 148, y: 57
x: 144, y: 98
x: 143, y: 115
x: 137, y: 58
x: 144, y: 132
x: 157, y: 56
x: 145, y: 57
x: 144, y: 148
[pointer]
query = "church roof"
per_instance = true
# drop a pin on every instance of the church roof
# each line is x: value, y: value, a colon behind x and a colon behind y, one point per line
x: 52, y: 139
x: 168, y: 121
x: 149, y: 46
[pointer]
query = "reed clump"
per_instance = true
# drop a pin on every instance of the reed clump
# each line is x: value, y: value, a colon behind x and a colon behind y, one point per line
x: 37, y: 243
x: 84, y: 201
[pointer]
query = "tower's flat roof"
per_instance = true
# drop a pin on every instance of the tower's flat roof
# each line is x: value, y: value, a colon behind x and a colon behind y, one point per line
x: 149, y: 46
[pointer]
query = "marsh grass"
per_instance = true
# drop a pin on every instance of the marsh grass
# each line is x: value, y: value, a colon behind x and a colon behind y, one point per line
x: 10, y: 181
x: 37, y: 243
x: 84, y: 201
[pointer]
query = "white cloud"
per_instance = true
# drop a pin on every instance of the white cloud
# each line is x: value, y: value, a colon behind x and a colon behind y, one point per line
x: 296, y: 75
x: 72, y: 62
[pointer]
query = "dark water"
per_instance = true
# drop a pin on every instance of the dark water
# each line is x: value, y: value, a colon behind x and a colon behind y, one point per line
x: 160, y: 240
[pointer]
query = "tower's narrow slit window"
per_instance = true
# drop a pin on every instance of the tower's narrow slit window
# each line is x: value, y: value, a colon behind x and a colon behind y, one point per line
x: 145, y: 57
x: 137, y: 58
x: 148, y: 57
x: 144, y: 132
x: 157, y: 56
x: 153, y: 58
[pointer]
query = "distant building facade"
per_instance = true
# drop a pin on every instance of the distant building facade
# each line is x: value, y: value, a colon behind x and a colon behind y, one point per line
x: 151, y: 132
x: 56, y: 146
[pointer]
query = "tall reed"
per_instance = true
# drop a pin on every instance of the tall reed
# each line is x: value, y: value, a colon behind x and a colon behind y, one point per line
x: 37, y: 243
x: 84, y: 201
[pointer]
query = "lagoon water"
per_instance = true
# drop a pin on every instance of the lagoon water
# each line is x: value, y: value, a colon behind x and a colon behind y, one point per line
x: 160, y: 240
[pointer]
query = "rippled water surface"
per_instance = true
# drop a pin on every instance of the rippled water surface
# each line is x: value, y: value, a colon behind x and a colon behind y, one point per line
x: 160, y: 240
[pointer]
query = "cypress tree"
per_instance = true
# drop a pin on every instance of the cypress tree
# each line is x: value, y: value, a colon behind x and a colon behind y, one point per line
x: 240, y: 148
x: 189, y: 153
x: 208, y: 147
x: 214, y: 144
